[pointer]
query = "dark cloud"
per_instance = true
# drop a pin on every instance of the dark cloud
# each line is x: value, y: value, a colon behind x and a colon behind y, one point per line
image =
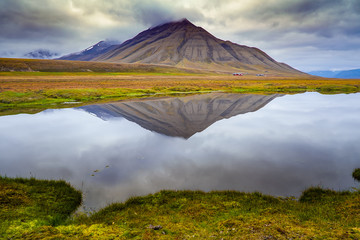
x: 152, y: 13
x: 326, y: 18
x: 157, y: 12
x: 34, y: 20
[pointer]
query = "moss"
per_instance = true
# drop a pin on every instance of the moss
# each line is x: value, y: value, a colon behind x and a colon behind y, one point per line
x: 29, y: 203
x: 317, y: 194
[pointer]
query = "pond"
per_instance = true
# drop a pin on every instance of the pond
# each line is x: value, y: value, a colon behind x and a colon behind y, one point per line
x: 274, y: 144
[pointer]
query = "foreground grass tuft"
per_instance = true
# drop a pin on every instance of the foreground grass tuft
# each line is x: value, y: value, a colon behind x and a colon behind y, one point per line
x: 37, y: 209
x: 29, y: 203
x: 356, y: 174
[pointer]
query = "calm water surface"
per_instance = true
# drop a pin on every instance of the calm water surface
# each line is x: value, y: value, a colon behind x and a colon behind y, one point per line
x: 277, y: 145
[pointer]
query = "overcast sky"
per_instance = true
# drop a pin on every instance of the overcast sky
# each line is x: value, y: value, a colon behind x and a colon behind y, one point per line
x: 306, y: 34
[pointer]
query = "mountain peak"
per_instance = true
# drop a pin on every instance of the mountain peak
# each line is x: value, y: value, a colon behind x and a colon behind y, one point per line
x: 173, y: 26
x: 184, y: 20
x: 185, y: 23
x: 180, y: 21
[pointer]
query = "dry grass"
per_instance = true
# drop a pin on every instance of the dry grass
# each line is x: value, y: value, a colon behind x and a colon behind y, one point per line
x: 22, y: 82
x: 41, y: 65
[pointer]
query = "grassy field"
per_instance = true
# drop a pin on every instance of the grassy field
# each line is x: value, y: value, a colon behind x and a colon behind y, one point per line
x: 41, y: 209
x: 32, y: 85
x: 29, y: 92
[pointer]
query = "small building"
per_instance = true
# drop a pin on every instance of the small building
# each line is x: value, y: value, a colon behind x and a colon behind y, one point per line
x: 238, y: 74
x: 260, y: 75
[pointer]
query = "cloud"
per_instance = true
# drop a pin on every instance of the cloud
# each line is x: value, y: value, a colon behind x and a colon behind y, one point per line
x: 34, y: 19
x: 287, y: 27
x: 75, y: 24
x: 326, y: 18
x: 71, y: 25
x: 157, y: 12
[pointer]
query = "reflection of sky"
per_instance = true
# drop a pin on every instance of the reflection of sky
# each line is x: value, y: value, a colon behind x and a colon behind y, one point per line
x: 292, y: 143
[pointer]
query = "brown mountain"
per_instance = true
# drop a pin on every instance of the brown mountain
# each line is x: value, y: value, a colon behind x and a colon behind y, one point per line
x: 183, y: 116
x: 183, y: 44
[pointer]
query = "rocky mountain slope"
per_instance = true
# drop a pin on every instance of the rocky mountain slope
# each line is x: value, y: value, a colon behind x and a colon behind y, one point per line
x: 183, y: 116
x: 183, y: 44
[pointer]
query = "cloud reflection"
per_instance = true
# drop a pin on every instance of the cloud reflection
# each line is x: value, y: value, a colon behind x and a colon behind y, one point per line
x: 292, y: 143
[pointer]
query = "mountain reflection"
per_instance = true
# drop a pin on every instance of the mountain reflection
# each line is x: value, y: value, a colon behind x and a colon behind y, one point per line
x: 182, y: 116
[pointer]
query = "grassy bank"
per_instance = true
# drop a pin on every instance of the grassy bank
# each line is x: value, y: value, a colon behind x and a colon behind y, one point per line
x: 27, y: 205
x: 34, y: 209
x: 30, y: 92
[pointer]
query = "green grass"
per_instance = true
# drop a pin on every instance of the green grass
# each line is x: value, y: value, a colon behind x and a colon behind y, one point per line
x: 34, y: 101
x: 38, y: 209
x: 30, y: 204
x: 291, y: 89
x: 12, y: 102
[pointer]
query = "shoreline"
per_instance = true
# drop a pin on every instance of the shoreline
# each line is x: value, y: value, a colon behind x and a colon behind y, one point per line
x: 23, y: 92
x: 34, y: 208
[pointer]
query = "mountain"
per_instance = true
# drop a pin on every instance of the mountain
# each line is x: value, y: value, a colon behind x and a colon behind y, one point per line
x: 41, y: 54
x: 327, y: 74
x: 351, y: 74
x: 183, y: 116
x: 91, y: 52
x: 183, y: 44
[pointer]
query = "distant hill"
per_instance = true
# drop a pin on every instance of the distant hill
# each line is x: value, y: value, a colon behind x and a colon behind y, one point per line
x: 41, y: 54
x: 42, y: 65
x: 355, y: 74
x: 183, y: 44
x: 91, y: 52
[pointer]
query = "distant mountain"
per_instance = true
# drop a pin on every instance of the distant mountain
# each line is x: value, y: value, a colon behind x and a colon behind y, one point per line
x: 183, y: 44
x: 327, y: 74
x: 91, y: 52
x: 355, y: 74
x: 183, y: 116
x: 41, y: 54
